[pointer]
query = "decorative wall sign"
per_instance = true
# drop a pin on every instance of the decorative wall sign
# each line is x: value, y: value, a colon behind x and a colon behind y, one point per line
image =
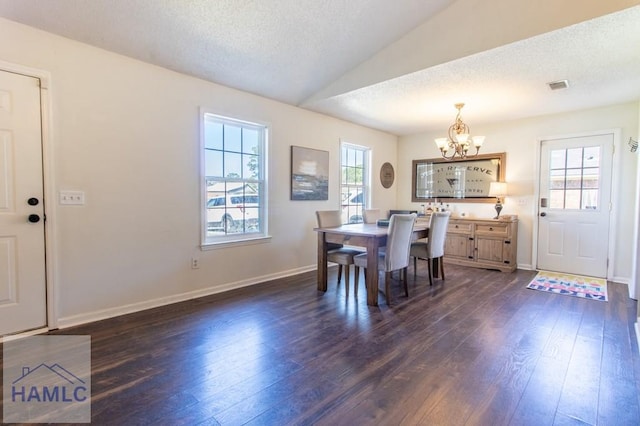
x: 309, y: 174
x: 457, y: 180
x: 387, y: 175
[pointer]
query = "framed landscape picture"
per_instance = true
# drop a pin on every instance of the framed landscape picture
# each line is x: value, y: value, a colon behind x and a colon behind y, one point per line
x: 309, y: 174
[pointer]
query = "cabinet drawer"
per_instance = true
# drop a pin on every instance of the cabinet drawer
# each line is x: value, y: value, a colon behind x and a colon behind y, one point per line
x: 459, y: 228
x: 499, y: 230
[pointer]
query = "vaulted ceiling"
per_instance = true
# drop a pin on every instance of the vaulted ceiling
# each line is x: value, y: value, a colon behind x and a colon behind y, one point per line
x: 396, y: 66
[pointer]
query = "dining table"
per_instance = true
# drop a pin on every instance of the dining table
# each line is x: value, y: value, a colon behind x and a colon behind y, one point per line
x: 368, y: 235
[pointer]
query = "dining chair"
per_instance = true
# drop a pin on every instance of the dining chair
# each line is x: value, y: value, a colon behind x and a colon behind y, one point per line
x: 395, y: 257
x: 338, y: 253
x: 371, y: 215
x: 433, y: 248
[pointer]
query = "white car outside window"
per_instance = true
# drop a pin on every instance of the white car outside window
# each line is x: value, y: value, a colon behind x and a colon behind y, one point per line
x: 233, y: 213
x: 352, y: 205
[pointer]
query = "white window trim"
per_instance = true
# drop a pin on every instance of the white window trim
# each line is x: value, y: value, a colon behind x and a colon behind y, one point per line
x: 234, y: 239
x: 366, y: 179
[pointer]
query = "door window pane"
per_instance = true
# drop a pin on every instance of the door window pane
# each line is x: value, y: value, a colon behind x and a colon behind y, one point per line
x: 556, y: 199
x: 574, y: 177
x: 572, y: 199
x: 558, y: 159
x: 591, y: 156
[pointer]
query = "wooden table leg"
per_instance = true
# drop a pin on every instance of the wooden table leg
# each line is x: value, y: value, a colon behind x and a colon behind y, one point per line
x: 372, y: 272
x: 322, y: 262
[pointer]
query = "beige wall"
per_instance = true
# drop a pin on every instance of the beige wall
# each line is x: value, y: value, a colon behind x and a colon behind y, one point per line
x: 520, y: 140
x: 127, y: 133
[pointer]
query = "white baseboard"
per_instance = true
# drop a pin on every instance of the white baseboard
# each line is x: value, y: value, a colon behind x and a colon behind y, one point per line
x: 11, y: 337
x: 87, y: 317
x: 621, y: 280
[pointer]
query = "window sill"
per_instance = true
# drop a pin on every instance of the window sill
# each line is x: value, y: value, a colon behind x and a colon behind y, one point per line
x: 235, y: 243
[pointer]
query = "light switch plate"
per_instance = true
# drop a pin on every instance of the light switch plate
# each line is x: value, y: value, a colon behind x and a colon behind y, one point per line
x: 71, y: 198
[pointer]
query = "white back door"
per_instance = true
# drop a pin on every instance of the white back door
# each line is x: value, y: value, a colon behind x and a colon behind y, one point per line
x: 574, y: 205
x: 22, y: 244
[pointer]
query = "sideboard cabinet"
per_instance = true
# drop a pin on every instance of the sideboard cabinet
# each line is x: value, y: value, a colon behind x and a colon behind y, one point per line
x: 483, y: 243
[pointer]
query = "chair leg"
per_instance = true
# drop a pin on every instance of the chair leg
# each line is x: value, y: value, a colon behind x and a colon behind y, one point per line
x: 339, y: 273
x: 346, y: 280
x: 387, y: 287
x: 442, y: 266
x: 415, y: 263
x: 357, y: 278
x: 406, y: 286
x: 429, y: 265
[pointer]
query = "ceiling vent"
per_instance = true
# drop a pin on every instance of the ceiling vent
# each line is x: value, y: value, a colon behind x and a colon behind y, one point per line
x: 557, y: 85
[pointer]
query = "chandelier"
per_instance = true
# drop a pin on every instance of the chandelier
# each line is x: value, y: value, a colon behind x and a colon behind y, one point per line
x: 459, y: 140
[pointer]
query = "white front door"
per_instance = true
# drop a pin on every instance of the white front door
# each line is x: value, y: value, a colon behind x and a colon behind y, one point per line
x: 574, y: 204
x: 22, y: 245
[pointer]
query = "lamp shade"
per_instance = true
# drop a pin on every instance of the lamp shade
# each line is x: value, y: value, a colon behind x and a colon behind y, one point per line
x: 442, y: 143
x: 497, y: 189
x: 478, y: 141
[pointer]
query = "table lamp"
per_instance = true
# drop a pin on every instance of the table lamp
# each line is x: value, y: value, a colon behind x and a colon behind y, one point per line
x: 498, y: 190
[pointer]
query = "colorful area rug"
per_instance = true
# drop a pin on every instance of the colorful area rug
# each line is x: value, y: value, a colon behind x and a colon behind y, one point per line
x: 570, y: 285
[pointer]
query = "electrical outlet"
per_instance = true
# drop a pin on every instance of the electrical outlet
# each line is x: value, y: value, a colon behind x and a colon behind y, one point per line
x: 195, y: 263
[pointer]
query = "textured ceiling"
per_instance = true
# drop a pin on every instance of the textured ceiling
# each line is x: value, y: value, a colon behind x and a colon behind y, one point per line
x: 363, y: 60
x: 600, y: 58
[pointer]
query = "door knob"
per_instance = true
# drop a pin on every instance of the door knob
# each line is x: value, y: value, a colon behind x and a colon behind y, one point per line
x: 33, y: 201
x: 34, y: 218
x: 543, y: 214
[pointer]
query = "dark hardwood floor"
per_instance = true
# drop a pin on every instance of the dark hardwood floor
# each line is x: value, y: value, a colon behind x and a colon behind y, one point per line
x: 478, y: 349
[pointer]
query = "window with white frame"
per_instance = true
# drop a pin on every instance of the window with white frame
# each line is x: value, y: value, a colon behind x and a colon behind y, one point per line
x: 354, y: 178
x: 234, y: 186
